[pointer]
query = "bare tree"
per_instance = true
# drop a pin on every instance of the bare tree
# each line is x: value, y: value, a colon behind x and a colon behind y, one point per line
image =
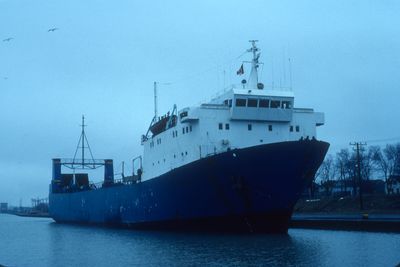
x: 327, y: 173
x: 367, y: 162
x: 387, y: 162
x: 343, y: 168
x: 381, y: 163
x: 392, y: 154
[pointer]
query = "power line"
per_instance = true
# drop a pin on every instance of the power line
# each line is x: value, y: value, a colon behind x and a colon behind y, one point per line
x: 382, y: 140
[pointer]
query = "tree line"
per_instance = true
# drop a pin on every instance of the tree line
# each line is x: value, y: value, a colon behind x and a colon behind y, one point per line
x: 341, y: 168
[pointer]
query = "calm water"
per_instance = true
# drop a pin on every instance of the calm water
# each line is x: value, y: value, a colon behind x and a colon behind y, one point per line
x: 40, y: 242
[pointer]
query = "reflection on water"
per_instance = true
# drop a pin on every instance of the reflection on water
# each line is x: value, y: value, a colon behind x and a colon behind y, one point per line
x: 40, y: 242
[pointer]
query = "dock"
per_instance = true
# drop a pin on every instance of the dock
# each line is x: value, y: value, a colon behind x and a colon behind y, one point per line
x: 350, y: 222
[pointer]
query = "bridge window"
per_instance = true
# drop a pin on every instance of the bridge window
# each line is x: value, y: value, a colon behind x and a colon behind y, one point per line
x: 190, y: 127
x: 240, y: 102
x: 226, y: 126
x: 252, y: 103
x: 286, y: 104
x: 249, y: 127
x: 230, y: 103
x: 270, y: 128
x: 263, y: 103
x: 297, y: 128
x: 220, y: 126
x: 187, y: 129
x: 275, y: 104
x: 183, y: 130
x: 291, y: 128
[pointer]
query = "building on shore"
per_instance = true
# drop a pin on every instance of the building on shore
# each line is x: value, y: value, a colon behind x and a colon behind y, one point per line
x: 3, y: 207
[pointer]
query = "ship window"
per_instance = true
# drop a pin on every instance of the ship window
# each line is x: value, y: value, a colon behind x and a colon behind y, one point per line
x: 249, y: 127
x: 183, y: 130
x: 174, y: 156
x: 226, y: 126
x: 187, y: 129
x: 263, y: 103
x: 297, y: 128
x: 275, y: 104
x: 286, y: 104
x: 220, y: 126
x: 173, y: 133
x: 270, y: 128
x: 252, y: 103
x: 190, y: 127
x: 291, y: 128
x: 240, y: 102
x: 230, y: 103
x: 226, y: 102
x: 185, y: 152
x: 183, y: 114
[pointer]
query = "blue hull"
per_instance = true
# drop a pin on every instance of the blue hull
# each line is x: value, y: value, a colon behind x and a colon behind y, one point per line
x: 252, y: 189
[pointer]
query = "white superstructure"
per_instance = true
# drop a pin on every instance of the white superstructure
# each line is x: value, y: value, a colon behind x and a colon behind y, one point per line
x: 241, y: 117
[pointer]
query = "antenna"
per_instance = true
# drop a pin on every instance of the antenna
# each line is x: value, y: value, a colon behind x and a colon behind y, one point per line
x: 284, y: 67
x: 272, y: 70
x: 155, y: 101
x: 224, y: 79
x: 290, y: 74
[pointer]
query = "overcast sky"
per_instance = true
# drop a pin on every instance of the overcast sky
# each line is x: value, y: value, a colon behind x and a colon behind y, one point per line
x: 106, y: 54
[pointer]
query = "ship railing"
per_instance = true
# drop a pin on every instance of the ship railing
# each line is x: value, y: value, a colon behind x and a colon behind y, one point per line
x: 85, y: 163
x: 128, y: 180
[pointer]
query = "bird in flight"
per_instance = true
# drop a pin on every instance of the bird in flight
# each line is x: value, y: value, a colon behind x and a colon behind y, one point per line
x: 7, y: 39
x: 52, y: 30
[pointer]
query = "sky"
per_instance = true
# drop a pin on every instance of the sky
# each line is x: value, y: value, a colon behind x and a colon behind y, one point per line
x: 104, y: 57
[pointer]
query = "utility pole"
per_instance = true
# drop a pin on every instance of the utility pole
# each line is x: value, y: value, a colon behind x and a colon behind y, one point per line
x: 357, y: 146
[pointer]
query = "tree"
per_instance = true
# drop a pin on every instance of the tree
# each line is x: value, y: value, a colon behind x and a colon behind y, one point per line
x: 326, y: 173
x: 387, y: 162
x: 343, y: 167
x: 381, y: 162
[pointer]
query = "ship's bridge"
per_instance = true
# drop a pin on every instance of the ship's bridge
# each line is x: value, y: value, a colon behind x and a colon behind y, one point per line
x: 258, y: 105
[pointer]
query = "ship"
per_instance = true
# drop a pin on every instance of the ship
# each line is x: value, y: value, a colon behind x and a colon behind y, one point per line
x: 238, y: 162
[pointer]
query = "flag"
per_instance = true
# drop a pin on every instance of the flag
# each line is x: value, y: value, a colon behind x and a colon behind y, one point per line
x: 240, y: 71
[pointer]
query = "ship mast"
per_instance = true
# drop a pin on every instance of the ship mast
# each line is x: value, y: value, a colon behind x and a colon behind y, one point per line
x: 83, y: 139
x: 253, y: 78
x: 83, y: 144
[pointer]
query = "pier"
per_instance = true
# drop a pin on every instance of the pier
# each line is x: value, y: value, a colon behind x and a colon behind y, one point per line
x: 350, y: 222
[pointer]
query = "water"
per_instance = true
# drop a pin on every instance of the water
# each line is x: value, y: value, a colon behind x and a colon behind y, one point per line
x: 41, y: 242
